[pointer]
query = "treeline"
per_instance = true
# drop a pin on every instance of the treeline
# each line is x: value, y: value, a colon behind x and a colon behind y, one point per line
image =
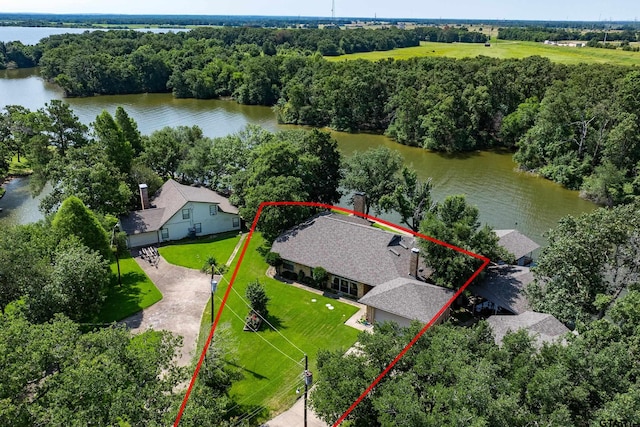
x: 228, y: 44
x: 575, y: 124
x: 540, y: 34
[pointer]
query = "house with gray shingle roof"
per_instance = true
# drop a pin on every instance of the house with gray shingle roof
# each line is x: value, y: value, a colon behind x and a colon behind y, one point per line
x: 502, y: 290
x: 518, y: 244
x: 178, y: 211
x: 543, y: 327
x: 403, y: 299
x: 380, y: 267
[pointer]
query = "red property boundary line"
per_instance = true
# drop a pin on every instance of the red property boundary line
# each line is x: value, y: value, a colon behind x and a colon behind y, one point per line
x: 349, y: 211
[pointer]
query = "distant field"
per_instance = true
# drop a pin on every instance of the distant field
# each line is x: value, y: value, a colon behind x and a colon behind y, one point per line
x: 504, y: 49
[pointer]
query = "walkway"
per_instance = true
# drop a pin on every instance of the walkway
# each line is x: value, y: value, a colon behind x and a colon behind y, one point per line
x: 185, y: 293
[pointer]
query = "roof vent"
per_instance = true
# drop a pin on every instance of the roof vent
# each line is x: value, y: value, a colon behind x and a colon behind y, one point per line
x: 393, y: 251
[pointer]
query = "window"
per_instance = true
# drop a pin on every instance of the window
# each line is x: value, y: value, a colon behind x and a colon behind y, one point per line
x: 186, y: 214
x: 198, y: 227
x: 165, y: 233
x: 213, y: 209
x: 287, y: 266
x: 236, y: 222
x: 345, y: 286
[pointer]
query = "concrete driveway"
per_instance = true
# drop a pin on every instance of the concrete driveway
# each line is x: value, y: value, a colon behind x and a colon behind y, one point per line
x: 185, y: 293
x: 295, y: 417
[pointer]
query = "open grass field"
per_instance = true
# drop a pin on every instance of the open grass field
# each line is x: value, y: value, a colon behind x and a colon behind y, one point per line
x: 271, y: 377
x: 137, y: 292
x: 504, y: 49
x: 194, y: 253
x: 21, y: 167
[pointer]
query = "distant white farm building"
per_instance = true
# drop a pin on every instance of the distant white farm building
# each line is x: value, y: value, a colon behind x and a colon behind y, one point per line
x: 178, y: 211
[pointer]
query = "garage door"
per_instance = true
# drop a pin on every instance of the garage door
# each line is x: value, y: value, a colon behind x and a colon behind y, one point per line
x: 143, y: 239
x: 385, y: 316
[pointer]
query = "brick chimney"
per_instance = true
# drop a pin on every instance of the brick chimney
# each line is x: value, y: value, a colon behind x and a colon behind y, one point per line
x: 413, y: 262
x: 360, y: 202
x: 144, y: 196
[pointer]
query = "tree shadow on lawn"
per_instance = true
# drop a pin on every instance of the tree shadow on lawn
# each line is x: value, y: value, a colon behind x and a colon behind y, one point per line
x: 123, y: 301
x: 275, y: 321
x: 243, y: 369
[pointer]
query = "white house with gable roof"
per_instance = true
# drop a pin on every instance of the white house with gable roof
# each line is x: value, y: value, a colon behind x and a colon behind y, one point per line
x: 178, y: 211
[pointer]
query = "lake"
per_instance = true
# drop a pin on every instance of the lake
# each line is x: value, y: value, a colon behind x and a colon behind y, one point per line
x: 506, y: 198
x: 32, y: 35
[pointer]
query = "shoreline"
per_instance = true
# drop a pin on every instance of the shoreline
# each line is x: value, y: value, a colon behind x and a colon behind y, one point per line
x: 7, y: 179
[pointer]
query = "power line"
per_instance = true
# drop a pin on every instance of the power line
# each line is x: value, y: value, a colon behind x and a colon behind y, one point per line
x: 259, y: 315
x: 265, y: 340
x: 255, y: 411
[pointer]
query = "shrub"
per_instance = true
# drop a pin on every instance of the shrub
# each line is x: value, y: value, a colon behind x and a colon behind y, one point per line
x: 273, y: 259
x: 320, y: 276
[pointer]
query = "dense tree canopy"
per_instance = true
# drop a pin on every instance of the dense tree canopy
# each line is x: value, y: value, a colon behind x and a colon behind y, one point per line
x: 589, y: 261
x: 456, y: 222
x: 289, y: 166
x: 457, y: 376
x: 55, y: 375
x: 375, y: 173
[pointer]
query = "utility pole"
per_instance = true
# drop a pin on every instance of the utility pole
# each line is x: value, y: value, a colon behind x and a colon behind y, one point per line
x: 306, y: 386
x: 214, y: 286
x: 114, y: 242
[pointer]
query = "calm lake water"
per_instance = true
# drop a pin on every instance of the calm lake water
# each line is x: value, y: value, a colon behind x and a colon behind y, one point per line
x: 32, y: 35
x: 504, y: 196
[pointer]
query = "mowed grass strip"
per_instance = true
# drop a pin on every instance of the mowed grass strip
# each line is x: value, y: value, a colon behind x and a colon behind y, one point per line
x: 136, y: 293
x: 270, y: 377
x: 193, y: 254
x: 503, y: 49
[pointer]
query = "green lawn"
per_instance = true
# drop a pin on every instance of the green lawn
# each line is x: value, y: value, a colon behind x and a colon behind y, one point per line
x: 504, y: 49
x: 270, y: 378
x: 137, y: 292
x: 194, y: 253
x: 21, y: 167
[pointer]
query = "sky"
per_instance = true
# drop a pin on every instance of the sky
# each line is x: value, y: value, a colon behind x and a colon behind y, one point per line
x: 574, y: 10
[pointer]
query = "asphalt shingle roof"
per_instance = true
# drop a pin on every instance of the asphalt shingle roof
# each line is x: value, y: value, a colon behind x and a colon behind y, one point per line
x: 348, y: 249
x: 504, y: 286
x: 544, y: 327
x: 169, y: 199
x: 516, y: 242
x: 408, y: 298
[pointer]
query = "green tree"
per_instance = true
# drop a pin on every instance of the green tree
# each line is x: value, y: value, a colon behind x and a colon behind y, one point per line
x: 258, y: 298
x: 73, y: 218
x: 62, y: 126
x: 102, y: 377
x: 411, y: 199
x: 374, y: 172
x: 87, y: 174
x: 80, y: 278
x: 165, y: 149
x: 129, y: 129
x: 456, y: 222
x: 112, y: 140
x: 591, y: 255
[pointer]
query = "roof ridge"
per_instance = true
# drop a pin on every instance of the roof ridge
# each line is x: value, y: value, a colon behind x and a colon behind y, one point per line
x: 177, y: 186
x: 334, y: 217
